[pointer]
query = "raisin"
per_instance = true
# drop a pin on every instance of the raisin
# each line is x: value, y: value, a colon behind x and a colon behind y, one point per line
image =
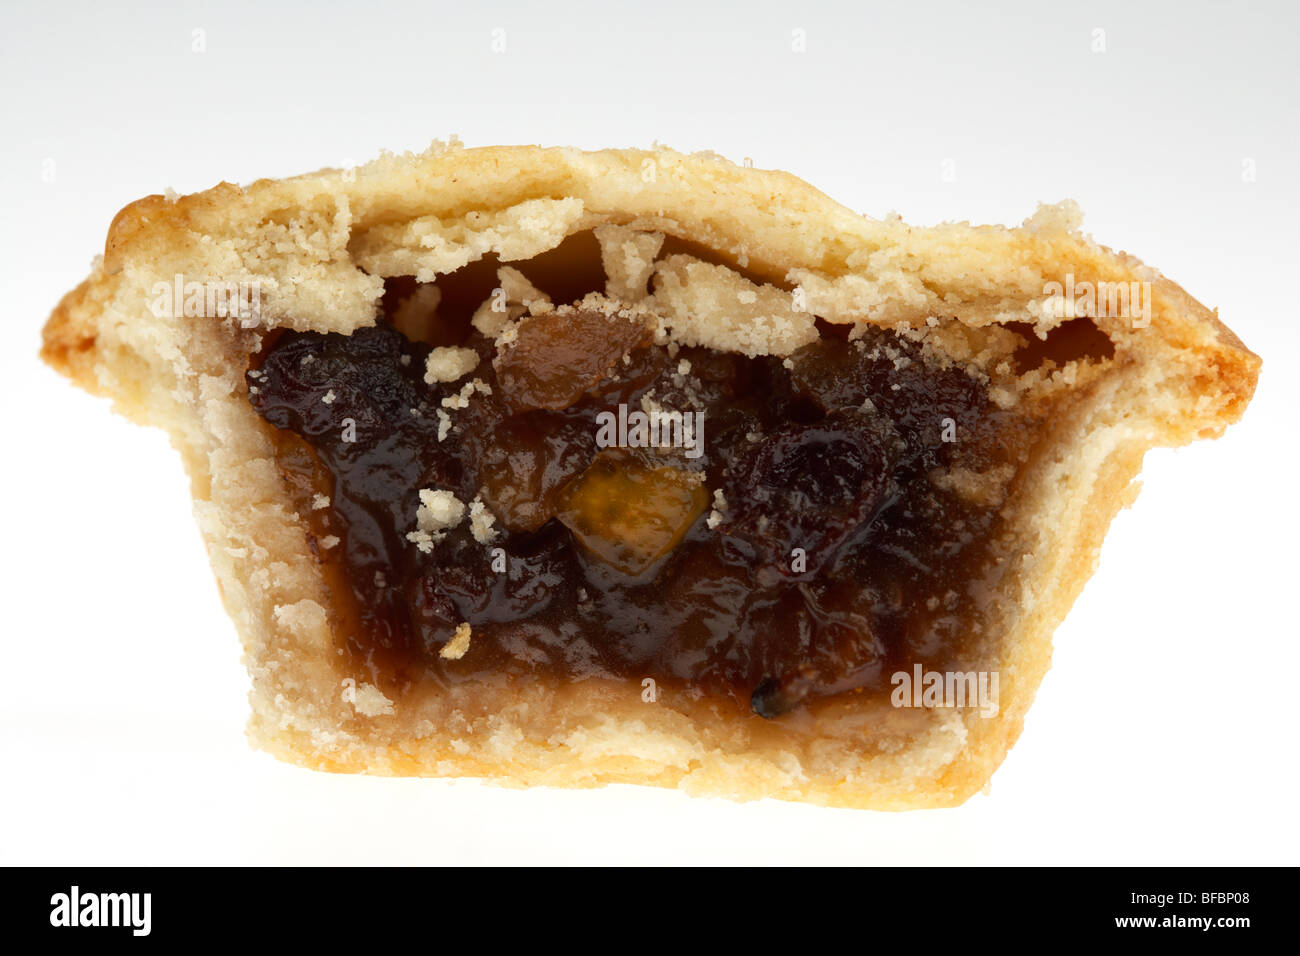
x: 842, y: 651
x: 525, y: 461
x: 461, y: 585
x: 808, y: 489
x: 893, y: 376
x: 558, y: 356
x: 309, y: 383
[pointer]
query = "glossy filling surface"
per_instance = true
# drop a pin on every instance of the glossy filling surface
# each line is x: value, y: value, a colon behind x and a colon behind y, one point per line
x: 819, y: 535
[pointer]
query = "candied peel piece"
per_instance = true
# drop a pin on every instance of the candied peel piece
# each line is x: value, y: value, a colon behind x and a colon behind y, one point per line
x: 557, y: 356
x: 630, y: 514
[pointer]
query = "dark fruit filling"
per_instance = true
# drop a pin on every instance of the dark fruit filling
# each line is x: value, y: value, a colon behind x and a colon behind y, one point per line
x: 806, y: 551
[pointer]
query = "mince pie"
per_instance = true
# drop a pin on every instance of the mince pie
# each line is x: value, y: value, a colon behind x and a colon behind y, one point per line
x: 569, y: 468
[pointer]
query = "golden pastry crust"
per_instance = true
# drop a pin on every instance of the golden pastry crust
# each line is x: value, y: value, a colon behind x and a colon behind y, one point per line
x: 319, y: 246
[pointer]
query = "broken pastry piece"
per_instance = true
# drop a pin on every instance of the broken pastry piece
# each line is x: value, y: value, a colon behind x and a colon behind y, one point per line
x: 569, y: 468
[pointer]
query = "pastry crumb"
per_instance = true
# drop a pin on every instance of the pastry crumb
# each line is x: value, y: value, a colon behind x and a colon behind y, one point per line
x: 455, y: 649
x: 439, y: 512
x: 461, y: 399
x: 369, y: 701
x: 481, y: 521
x: 449, y: 364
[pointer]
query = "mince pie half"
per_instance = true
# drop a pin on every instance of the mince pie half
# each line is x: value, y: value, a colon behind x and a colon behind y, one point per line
x: 570, y: 468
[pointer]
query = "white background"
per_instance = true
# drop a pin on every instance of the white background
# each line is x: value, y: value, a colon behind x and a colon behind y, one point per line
x: 1165, y: 732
